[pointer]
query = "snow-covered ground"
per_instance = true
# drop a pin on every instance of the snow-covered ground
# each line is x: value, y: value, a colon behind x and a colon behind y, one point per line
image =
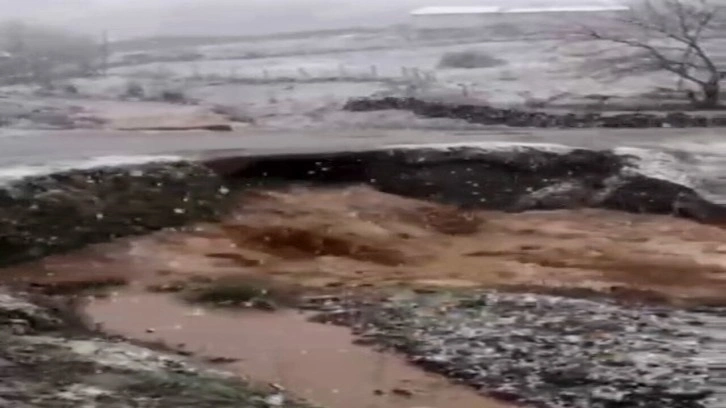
x: 303, y: 83
x: 531, y: 70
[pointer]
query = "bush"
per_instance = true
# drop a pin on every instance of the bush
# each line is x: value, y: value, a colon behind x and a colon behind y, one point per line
x: 134, y: 90
x: 173, y: 96
x: 469, y: 60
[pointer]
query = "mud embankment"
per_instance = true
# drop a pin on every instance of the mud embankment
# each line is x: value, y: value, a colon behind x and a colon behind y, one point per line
x: 47, y: 214
x: 488, y: 115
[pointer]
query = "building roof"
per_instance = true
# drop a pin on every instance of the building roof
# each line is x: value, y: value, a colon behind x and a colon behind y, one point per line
x: 430, y: 11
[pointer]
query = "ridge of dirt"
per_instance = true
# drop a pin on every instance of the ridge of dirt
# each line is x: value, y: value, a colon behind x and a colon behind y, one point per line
x: 360, y: 238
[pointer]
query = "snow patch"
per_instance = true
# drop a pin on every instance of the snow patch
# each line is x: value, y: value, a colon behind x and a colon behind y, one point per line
x: 11, y: 173
x: 659, y: 164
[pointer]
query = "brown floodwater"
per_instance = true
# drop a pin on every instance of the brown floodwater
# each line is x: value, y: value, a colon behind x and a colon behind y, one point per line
x: 314, y: 361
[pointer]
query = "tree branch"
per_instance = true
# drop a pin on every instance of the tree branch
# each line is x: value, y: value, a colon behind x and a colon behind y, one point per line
x: 681, y: 23
x: 676, y: 67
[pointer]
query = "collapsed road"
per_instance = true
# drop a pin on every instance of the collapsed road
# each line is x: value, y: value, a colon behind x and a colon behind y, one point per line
x: 43, y: 214
x: 69, y: 204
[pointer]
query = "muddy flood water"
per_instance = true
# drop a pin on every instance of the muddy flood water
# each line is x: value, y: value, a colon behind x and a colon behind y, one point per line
x: 314, y: 361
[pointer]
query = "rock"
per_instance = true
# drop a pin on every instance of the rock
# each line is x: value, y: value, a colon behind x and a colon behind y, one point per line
x: 653, y: 196
x: 17, y: 310
x: 687, y: 204
x: 275, y: 400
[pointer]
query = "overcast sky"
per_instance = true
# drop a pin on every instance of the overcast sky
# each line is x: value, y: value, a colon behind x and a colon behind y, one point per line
x: 128, y: 18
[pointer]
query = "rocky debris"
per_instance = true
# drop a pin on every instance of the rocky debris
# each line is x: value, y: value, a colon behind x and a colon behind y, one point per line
x: 57, y: 367
x: 19, y: 312
x: 551, y: 351
x: 489, y: 115
x: 57, y: 212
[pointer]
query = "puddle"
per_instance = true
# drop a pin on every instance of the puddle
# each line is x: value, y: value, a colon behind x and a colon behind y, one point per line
x: 314, y: 361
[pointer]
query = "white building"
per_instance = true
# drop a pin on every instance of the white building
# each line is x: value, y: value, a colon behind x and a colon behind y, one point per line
x: 520, y: 19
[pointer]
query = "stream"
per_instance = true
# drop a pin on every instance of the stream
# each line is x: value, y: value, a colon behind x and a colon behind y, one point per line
x: 314, y: 361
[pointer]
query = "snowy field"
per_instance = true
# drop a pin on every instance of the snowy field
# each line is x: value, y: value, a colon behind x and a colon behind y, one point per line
x: 538, y: 70
x: 303, y: 83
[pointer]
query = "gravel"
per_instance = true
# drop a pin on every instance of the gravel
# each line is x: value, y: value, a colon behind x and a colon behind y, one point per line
x: 548, y: 351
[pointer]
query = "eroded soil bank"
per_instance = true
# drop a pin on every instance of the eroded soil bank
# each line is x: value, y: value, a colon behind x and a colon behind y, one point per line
x: 356, y: 237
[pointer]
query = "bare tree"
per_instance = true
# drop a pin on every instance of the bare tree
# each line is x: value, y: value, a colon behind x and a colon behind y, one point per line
x: 669, y: 35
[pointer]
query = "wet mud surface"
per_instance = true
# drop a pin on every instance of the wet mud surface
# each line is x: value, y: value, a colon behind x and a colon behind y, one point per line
x: 48, y: 359
x: 317, y: 362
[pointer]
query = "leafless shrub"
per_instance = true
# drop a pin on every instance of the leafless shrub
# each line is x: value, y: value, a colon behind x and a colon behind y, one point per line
x: 134, y: 90
x: 662, y: 35
x: 469, y: 60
